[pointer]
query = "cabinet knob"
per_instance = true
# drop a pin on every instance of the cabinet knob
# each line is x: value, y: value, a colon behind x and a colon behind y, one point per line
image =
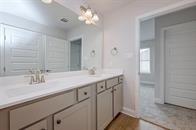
x: 101, y: 86
x: 58, y: 122
x: 85, y: 93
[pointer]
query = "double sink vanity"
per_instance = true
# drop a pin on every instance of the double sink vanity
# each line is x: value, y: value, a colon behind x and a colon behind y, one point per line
x: 48, y: 60
x: 80, y: 102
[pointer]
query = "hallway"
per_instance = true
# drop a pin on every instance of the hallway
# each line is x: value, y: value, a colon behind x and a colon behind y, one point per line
x: 166, y: 115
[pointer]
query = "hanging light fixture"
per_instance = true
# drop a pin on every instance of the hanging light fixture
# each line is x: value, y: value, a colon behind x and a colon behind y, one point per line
x: 88, y: 16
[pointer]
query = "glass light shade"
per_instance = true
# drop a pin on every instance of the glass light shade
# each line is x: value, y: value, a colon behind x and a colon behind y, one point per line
x: 88, y: 22
x: 95, y: 18
x: 81, y: 18
x: 47, y: 1
x: 88, y: 13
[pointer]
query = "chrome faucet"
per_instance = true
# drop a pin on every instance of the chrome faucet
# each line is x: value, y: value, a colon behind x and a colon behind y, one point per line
x: 36, y: 77
x: 92, y: 71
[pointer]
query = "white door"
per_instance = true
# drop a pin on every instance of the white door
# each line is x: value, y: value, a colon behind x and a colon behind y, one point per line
x: 22, y: 51
x: 180, y: 58
x: 57, y: 54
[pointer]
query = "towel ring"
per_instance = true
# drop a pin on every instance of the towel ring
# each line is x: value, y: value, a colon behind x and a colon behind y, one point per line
x: 114, y: 51
x: 92, y: 53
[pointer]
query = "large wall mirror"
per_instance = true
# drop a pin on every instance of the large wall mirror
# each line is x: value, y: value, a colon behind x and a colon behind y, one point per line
x: 48, y: 37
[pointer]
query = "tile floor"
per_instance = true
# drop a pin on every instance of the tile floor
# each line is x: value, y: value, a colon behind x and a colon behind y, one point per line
x: 169, y: 116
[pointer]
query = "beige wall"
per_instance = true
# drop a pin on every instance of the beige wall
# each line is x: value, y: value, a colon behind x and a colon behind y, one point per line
x: 119, y: 31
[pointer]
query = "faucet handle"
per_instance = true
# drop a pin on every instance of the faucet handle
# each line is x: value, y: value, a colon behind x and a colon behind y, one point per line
x: 31, y: 71
x: 42, y: 79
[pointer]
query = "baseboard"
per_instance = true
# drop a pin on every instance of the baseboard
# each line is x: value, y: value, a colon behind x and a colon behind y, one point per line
x: 159, y: 101
x: 130, y: 112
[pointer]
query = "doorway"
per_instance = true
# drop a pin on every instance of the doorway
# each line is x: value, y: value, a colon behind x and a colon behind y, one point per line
x: 76, y: 55
x: 167, y: 69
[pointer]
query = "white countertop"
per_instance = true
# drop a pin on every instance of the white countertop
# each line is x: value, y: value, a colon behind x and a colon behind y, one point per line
x: 20, y: 93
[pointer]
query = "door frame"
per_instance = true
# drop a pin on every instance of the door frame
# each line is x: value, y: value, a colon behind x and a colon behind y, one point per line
x: 82, y: 49
x: 2, y: 51
x: 165, y: 10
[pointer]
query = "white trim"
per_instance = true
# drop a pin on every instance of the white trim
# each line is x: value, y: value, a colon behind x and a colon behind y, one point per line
x: 162, y: 67
x: 2, y: 45
x: 129, y: 112
x: 171, y: 8
x: 82, y: 51
x: 158, y: 100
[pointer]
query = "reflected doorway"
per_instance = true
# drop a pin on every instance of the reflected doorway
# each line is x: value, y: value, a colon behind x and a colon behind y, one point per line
x: 75, y: 54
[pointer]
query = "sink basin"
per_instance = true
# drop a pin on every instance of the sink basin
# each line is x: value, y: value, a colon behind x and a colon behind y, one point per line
x: 97, y: 75
x: 14, y: 92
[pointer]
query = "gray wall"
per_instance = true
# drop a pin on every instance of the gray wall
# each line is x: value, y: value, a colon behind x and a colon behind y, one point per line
x: 178, y: 17
x: 147, y: 35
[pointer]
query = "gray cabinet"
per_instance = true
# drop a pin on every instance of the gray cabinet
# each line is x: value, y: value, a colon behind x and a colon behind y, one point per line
x: 77, y: 117
x: 117, y: 97
x: 109, y: 103
x: 104, y: 109
x: 42, y: 125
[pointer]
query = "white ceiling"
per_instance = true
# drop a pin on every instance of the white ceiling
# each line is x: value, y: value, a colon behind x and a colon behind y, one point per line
x: 104, y: 6
x: 50, y: 14
x: 46, y: 14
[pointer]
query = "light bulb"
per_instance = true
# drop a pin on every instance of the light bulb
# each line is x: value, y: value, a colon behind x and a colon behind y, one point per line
x: 95, y: 18
x: 47, y: 1
x: 88, y: 13
x: 88, y: 22
x: 81, y: 18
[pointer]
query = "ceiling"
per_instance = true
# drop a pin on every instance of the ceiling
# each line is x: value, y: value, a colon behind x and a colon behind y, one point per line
x: 50, y: 14
x: 104, y: 6
x: 46, y: 14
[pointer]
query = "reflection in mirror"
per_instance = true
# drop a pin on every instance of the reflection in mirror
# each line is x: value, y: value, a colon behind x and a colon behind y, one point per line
x: 47, y: 37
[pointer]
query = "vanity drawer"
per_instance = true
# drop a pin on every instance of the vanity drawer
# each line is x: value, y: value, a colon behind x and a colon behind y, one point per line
x: 29, y: 114
x: 120, y: 79
x: 42, y: 125
x: 101, y: 86
x: 111, y: 82
x: 84, y: 93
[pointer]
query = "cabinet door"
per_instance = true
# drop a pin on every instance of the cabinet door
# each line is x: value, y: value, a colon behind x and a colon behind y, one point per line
x: 104, y: 109
x: 77, y: 117
x: 117, y: 99
x: 42, y: 125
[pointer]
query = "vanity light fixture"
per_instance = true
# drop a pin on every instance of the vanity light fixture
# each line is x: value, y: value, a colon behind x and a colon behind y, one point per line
x: 47, y: 1
x: 88, y: 15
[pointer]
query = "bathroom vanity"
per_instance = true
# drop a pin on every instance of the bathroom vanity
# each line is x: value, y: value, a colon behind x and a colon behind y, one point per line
x: 70, y: 103
x: 37, y: 91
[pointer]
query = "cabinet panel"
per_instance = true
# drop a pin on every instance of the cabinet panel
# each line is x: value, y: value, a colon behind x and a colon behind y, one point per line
x: 29, y: 114
x: 101, y: 86
x: 42, y: 125
x: 104, y: 109
x: 84, y: 93
x: 111, y: 82
x: 77, y: 117
x: 117, y: 99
